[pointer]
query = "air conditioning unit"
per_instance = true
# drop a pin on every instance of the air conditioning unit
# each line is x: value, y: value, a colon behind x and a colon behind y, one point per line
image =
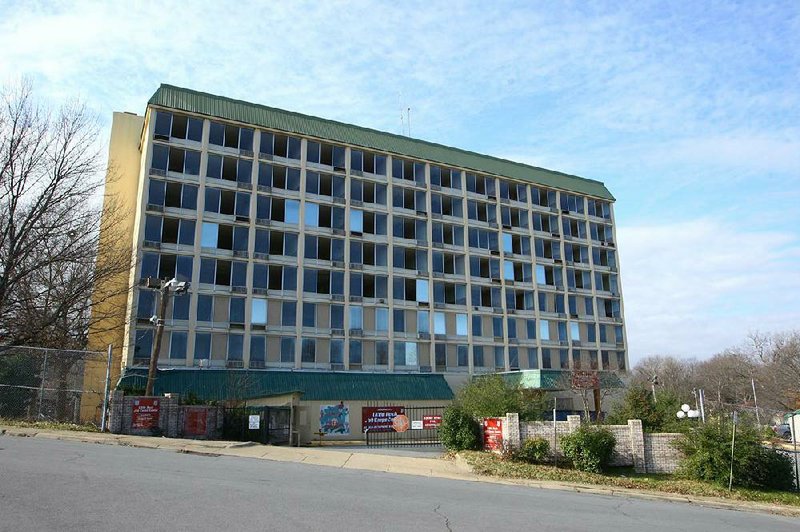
x: 239, y: 289
x: 337, y: 367
x: 356, y: 332
x: 382, y: 301
x: 234, y: 364
x: 260, y: 291
x: 356, y: 299
x: 337, y: 332
x: 240, y: 253
x: 337, y: 297
x: 355, y: 266
x: 258, y: 364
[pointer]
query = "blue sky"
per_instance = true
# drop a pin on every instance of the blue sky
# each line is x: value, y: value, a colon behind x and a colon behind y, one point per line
x: 688, y: 111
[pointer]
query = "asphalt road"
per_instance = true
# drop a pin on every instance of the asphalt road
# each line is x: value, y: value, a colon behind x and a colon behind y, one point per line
x: 55, y: 485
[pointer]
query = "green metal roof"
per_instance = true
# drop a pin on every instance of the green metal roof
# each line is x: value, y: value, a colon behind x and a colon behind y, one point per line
x: 222, y: 384
x: 544, y: 379
x: 277, y: 119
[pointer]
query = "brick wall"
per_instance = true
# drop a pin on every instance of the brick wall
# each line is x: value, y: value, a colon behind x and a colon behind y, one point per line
x: 171, y: 419
x: 647, y: 453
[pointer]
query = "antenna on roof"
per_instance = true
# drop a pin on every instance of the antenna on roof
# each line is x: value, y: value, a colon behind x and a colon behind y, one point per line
x: 409, y: 121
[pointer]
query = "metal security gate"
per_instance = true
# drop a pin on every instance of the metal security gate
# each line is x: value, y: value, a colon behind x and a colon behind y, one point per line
x: 264, y: 424
x: 395, y: 426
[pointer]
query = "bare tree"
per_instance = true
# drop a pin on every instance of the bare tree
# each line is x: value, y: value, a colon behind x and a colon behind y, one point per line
x: 50, y: 221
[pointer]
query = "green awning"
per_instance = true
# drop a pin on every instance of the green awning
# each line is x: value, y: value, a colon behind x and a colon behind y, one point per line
x: 553, y: 379
x: 235, y: 384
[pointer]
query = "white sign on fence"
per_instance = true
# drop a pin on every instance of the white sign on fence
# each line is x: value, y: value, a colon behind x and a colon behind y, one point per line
x: 416, y: 424
x: 255, y: 422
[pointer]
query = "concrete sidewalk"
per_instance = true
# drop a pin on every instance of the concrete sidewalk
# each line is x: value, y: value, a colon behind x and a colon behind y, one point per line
x: 455, y: 469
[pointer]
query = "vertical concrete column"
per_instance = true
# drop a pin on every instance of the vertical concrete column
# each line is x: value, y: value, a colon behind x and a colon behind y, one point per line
x: 511, y: 430
x: 637, y: 445
x: 574, y: 423
x: 115, y: 416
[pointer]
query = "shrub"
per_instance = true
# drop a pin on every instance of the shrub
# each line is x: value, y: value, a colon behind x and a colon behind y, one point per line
x: 589, y: 448
x: 493, y: 396
x: 707, y: 451
x: 533, y: 451
x: 459, y: 430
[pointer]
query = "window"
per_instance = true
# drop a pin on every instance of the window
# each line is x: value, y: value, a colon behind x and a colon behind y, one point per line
x: 235, y: 346
x: 382, y: 352
x: 422, y: 291
x: 448, y: 234
x: 169, y: 125
x: 337, y: 316
x: 367, y: 192
x: 280, y: 146
x: 445, y: 177
x: 543, y: 197
x: 483, y: 239
x: 408, y: 170
x: 423, y: 321
x: 355, y: 351
x: 369, y: 163
x: 166, y: 266
x: 180, y: 306
x: 409, y: 228
x: 513, y: 191
x: 258, y: 349
x: 571, y: 203
x: 410, y: 199
x: 575, y: 332
x: 450, y: 293
x: 477, y: 326
x: 147, y: 304
x: 328, y: 185
x: 530, y: 328
x: 405, y: 354
x: 356, y: 221
x: 598, y: 208
x: 477, y: 355
x: 575, y: 228
x: 170, y: 194
x: 229, y: 168
x: 231, y: 136
x: 202, y: 346
x: 439, y: 323
x: 461, y: 324
x: 288, y: 313
x: 499, y: 357
x: 462, y: 355
x: 337, y: 351
x: 309, y: 315
x: 172, y: 159
x: 356, y: 317
x: 410, y: 258
x: 440, y: 356
x: 287, y: 349
x: 237, y: 310
x: 382, y: 319
x: 446, y: 206
x: 227, y: 202
x: 325, y: 154
x: 258, y: 311
x: 177, y: 345
x: 274, y: 176
x: 308, y: 352
x: 511, y: 217
x: 478, y: 184
x: 399, y: 324
x: 546, y: 362
x: 547, y: 223
x: 481, y: 211
x: 513, y: 357
x: 449, y: 263
x: 169, y: 230
x: 544, y: 330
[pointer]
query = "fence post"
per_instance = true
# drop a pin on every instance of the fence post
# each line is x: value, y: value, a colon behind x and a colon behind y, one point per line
x: 41, y: 383
x: 105, y: 393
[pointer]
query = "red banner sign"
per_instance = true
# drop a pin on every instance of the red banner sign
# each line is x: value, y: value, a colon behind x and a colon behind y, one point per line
x: 431, y: 422
x: 379, y: 418
x: 195, y: 421
x: 493, y: 434
x: 144, y: 413
x: 585, y: 380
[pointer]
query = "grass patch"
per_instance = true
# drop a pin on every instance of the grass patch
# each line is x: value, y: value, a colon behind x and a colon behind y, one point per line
x: 492, y: 465
x: 48, y: 425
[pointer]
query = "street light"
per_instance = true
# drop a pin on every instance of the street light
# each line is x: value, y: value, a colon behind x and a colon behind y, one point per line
x: 687, y: 412
x: 164, y: 288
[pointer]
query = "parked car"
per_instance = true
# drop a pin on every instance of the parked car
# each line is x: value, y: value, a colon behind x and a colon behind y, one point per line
x: 783, y: 431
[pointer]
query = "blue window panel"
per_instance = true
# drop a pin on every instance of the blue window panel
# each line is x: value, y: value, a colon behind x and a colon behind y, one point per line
x: 337, y: 351
x: 337, y: 317
x: 157, y: 190
x: 177, y: 345
x: 160, y: 157
x: 180, y: 306
x: 308, y: 350
x: 212, y: 200
x: 239, y: 273
x: 290, y: 278
x: 194, y: 129
x: 541, y: 278
x: 312, y: 215
x: 202, y: 346
x: 208, y: 269
x: 149, y: 267
x: 240, y: 238
x: 258, y: 312
x: 143, y: 343
x: 477, y: 326
x: 309, y: 315
x: 242, y: 204
x: 356, y: 221
x: 189, y: 197
x: 356, y: 318
x: 530, y: 325
x: 237, y: 309
x: 147, y: 304
x: 209, y: 235
x: 163, y: 124
x: 422, y: 291
x: 183, y: 268
x: 258, y: 348
x: 288, y: 314
x: 205, y: 307
x: 186, y: 232
x: 246, y: 139
x: 294, y: 148
x: 399, y: 324
x: 191, y: 163
x: 235, y: 346
x: 562, y: 330
x: 259, y: 275
x: 292, y: 212
x: 337, y: 282
x: 439, y: 323
x: 214, y: 166
x: 575, y: 331
x: 152, y: 228
x: 216, y: 134
x: 287, y: 350
x: 544, y: 330
x: 355, y: 351
x: 382, y: 319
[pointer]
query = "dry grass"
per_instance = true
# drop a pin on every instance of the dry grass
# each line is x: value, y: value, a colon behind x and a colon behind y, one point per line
x: 48, y: 425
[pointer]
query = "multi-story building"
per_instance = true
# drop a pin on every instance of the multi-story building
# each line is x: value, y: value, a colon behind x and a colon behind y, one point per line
x: 311, y: 244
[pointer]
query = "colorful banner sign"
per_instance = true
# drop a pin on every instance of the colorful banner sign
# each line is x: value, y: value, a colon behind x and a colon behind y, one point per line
x: 379, y: 418
x: 195, y: 421
x: 431, y: 422
x: 145, y: 413
x: 334, y: 419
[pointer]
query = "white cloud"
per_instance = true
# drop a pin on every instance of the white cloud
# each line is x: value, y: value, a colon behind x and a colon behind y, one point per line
x: 696, y: 287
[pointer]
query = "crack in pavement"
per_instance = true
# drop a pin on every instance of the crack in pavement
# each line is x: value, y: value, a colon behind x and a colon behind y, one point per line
x: 348, y: 459
x: 446, y: 519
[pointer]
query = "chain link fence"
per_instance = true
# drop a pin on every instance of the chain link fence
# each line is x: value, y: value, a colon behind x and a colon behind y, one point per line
x: 58, y: 385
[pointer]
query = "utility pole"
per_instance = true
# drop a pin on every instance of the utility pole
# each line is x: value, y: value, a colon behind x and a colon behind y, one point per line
x: 755, y: 401
x: 164, y: 288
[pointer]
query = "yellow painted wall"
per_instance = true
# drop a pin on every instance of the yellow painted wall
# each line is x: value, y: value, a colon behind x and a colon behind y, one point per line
x: 112, y: 298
